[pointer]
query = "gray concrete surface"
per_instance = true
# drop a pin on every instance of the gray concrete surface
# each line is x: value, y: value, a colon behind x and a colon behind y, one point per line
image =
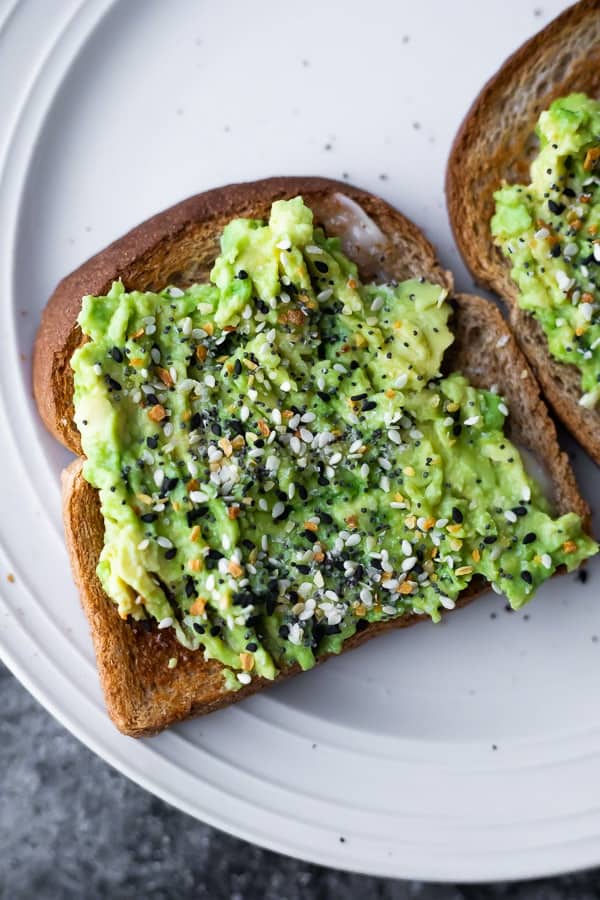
x: 72, y: 827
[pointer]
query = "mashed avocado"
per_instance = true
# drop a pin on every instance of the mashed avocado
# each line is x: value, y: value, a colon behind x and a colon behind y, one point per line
x: 281, y: 463
x: 550, y: 231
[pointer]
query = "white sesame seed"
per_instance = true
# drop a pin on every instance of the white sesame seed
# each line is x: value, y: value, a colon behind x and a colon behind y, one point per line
x: 355, y: 446
x: 143, y: 544
x: 546, y: 560
x: 164, y: 542
x: 313, y: 249
x: 150, y: 329
x: 285, y: 386
x: 563, y: 281
x: 324, y: 295
x: 155, y: 354
x: 400, y: 381
x: 597, y: 252
x: 472, y: 420
x: 278, y: 509
x: 406, y: 547
x: 510, y: 515
x: 276, y: 417
x: 364, y: 471
x: 353, y: 540
x: 503, y: 408
x: 391, y: 584
x: 384, y: 484
x: 409, y: 563
x: 306, y: 435
x: 526, y: 493
x: 285, y: 244
x: 394, y: 436
x: 447, y: 602
x: 244, y: 677
x: 165, y: 623
x: 209, y: 380
x: 198, y: 497
x: 384, y: 463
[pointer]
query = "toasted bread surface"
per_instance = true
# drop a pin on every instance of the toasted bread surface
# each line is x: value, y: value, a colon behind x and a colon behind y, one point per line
x: 142, y: 694
x: 495, y: 144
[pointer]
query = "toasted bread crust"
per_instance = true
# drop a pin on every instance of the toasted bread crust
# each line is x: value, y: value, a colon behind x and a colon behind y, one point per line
x: 495, y: 143
x: 143, y: 695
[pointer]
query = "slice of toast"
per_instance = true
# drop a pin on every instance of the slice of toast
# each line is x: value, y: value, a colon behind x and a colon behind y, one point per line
x: 178, y: 247
x: 496, y: 143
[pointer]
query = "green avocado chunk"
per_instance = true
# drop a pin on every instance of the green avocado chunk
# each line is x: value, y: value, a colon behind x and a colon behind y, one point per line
x: 280, y: 461
x: 550, y: 232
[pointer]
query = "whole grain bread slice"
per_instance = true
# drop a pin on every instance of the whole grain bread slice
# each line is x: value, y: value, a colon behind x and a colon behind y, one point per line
x: 178, y: 246
x: 495, y: 143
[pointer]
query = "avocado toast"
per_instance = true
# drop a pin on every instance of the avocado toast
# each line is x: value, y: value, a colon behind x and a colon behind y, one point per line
x: 283, y: 470
x: 519, y: 118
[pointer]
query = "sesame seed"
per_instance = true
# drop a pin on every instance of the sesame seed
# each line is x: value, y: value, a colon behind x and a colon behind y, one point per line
x: 510, y: 516
x: 244, y: 677
x: 165, y: 623
x: 278, y: 510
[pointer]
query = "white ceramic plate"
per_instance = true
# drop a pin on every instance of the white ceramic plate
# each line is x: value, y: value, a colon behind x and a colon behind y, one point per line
x: 463, y: 752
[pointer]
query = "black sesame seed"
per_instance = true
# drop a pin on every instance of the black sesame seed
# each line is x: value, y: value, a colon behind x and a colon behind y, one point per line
x: 149, y: 517
x: 214, y: 554
x: 252, y: 647
x: 310, y: 536
x: 199, y: 628
x: 284, y: 631
x: 302, y: 492
x: 526, y: 576
x: 529, y: 538
x: 215, y: 631
x: 114, y: 385
x: 152, y: 441
x: 490, y: 539
x: 116, y: 354
x: 242, y: 274
x: 457, y: 516
x: 556, y: 208
x: 520, y: 510
x: 170, y: 485
x: 368, y: 404
x: 361, y: 624
x: 321, y: 266
x: 171, y: 553
x: 237, y: 368
x: 322, y: 395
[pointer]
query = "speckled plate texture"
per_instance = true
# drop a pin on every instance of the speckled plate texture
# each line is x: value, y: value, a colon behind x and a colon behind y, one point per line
x: 468, y: 751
